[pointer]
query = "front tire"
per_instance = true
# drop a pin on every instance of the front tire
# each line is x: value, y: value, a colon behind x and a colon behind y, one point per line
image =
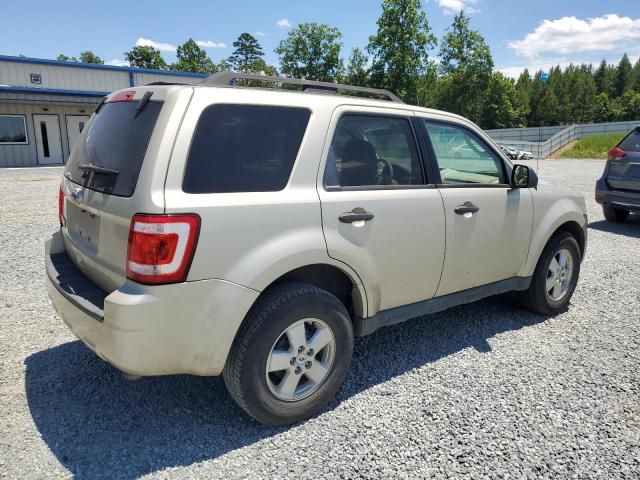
x: 556, y: 276
x: 614, y: 214
x: 291, y: 355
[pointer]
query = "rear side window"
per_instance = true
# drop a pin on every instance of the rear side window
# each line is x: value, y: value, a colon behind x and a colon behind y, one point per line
x: 631, y: 143
x: 116, y: 139
x: 244, y: 148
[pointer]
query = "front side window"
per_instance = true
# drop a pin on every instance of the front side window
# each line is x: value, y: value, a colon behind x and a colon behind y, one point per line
x: 462, y: 157
x: 373, y: 150
x: 13, y: 129
x: 244, y: 148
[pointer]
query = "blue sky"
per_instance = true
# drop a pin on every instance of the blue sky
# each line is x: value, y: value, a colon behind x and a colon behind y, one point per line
x: 533, y: 33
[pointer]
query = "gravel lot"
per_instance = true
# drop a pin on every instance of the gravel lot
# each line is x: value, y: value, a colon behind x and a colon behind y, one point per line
x: 481, y: 391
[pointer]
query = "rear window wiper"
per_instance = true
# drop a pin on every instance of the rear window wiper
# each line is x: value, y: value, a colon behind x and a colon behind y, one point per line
x: 143, y: 102
x: 96, y: 169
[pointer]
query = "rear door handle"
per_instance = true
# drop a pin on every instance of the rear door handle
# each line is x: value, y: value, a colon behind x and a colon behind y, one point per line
x: 356, y: 215
x: 466, y: 207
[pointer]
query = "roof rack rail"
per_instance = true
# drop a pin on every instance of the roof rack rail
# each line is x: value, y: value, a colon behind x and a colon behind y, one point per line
x: 231, y: 79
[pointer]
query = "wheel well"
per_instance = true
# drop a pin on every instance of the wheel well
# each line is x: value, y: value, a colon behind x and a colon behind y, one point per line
x: 327, y: 277
x: 578, y: 233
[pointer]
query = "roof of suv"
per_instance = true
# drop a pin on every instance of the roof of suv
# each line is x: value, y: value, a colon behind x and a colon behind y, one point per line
x: 332, y: 93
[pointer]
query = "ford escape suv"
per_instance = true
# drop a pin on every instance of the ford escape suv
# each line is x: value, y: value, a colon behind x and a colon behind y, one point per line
x: 618, y: 190
x: 253, y: 232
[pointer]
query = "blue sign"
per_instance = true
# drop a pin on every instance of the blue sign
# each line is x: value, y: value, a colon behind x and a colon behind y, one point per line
x: 544, y: 76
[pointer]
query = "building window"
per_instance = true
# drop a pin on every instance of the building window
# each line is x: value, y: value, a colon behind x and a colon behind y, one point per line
x: 36, y: 78
x: 13, y: 130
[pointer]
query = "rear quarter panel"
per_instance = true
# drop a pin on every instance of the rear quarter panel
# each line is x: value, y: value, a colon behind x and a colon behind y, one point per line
x: 252, y: 238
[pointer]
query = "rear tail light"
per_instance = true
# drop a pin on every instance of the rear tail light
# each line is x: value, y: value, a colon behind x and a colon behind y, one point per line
x: 161, y: 247
x: 60, y: 205
x: 616, y: 152
x: 121, y: 97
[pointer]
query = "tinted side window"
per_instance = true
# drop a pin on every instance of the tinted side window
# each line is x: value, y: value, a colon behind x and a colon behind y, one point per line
x: 463, y: 157
x: 631, y: 143
x: 373, y: 150
x: 244, y: 148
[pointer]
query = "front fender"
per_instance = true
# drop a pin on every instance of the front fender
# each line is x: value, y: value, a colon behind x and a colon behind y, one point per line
x: 549, y: 215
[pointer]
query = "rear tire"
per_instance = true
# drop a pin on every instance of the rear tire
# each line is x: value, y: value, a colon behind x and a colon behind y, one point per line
x: 273, y: 372
x: 553, y: 282
x: 614, y: 214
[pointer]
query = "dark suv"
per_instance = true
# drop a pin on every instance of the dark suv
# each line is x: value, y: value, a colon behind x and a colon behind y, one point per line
x: 618, y: 190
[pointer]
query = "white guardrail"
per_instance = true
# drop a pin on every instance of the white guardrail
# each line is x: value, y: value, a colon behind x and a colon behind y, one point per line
x: 543, y: 141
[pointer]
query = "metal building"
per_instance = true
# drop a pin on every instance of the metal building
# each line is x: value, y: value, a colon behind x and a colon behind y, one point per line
x: 44, y: 104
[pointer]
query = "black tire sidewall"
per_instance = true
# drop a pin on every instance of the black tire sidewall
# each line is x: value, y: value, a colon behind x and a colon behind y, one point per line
x: 540, y: 300
x: 261, y: 403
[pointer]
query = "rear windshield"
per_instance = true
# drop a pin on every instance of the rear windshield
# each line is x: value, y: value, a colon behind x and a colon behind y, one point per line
x: 631, y: 143
x: 244, y: 148
x: 115, y: 141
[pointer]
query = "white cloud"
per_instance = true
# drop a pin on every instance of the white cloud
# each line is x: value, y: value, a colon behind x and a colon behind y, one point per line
x: 117, y: 63
x: 570, y: 35
x: 283, y: 23
x: 163, y: 47
x: 210, y: 44
x: 260, y: 33
x: 452, y: 7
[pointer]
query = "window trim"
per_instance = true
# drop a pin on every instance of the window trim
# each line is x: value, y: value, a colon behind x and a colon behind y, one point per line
x: 26, y: 131
x: 363, y: 188
x: 434, y: 159
x: 240, y: 104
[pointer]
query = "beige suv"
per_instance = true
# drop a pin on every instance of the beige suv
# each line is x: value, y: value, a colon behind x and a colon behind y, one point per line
x: 253, y: 232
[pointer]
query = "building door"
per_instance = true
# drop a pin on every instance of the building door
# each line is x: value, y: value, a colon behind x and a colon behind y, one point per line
x: 48, y: 139
x: 75, y: 125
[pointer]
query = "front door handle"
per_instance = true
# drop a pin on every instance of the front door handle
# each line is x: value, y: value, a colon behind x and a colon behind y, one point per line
x: 466, y: 207
x: 356, y: 215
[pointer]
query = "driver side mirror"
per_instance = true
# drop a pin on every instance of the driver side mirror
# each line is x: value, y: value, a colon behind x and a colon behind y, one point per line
x: 523, y: 177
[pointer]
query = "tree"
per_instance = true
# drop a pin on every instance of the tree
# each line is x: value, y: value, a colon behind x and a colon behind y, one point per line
x: 636, y: 76
x: 466, y: 58
x: 624, y: 76
x: 63, y: 58
x: 498, y: 109
x: 356, y: 72
x: 89, y: 57
x: 311, y: 51
x: 192, y: 58
x: 400, y: 48
x: 604, y: 77
x: 247, y: 52
x: 523, y: 88
x: 145, y: 57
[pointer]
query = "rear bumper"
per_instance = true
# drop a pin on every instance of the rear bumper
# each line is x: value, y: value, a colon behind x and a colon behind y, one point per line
x: 617, y: 198
x: 149, y: 330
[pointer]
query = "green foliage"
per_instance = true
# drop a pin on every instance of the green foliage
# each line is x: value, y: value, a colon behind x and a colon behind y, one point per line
x: 192, y: 58
x: 624, y: 76
x: 64, y: 58
x: 400, y: 48
x: 595, y: 146
x: 466, y: 60
x: 311, y: 51
x: 500, y: 108
x: 89, y: 57
x: 356, y: 72
x: 145, y: 57
x: 246, y: 55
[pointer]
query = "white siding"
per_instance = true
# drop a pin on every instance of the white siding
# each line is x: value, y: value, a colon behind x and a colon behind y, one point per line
x: 26, y: 155
x: 17, y: 74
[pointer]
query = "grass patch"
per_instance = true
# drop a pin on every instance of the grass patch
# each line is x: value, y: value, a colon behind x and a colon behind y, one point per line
x: 595, y: 146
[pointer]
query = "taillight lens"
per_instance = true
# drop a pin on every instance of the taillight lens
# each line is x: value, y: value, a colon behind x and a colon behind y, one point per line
x: 616, y: 152
x: 60, y: 205
x: 121, y: 97
x: 161, y: 247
